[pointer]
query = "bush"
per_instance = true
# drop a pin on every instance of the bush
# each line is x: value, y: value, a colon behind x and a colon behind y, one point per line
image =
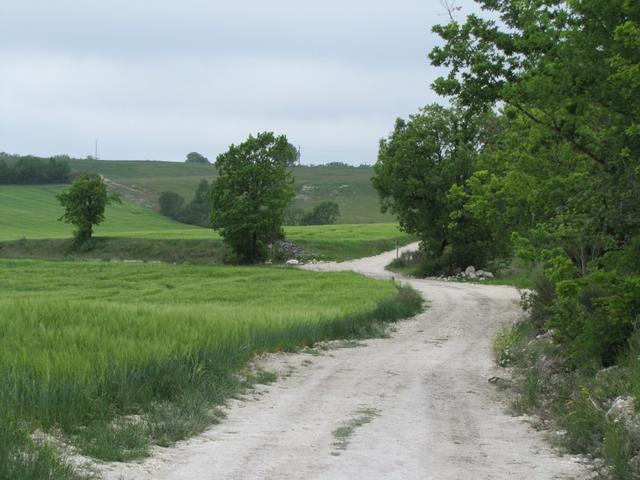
x: 595, y: 316
x: 196, y: 212
x: 195, y: 157
x: 171, y: 205
x: 325, y: 213
x: 539, y: 302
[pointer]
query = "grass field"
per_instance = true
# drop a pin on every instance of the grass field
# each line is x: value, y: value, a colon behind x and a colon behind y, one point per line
x: 143, y: 181
x: 31, y: 212
x: 116, y: 357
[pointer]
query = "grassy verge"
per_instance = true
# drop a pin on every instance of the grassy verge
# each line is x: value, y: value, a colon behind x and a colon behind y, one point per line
x: 113, y: 358
x: 577, y: 403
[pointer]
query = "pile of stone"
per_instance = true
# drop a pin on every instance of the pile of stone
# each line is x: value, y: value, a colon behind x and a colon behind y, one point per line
x: 289, y: 253
x: 470, y: 273
x: 283, y: 249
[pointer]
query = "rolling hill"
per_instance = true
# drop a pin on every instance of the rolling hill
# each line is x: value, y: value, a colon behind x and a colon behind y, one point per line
x: 143, y: 181
x: 136, y: 232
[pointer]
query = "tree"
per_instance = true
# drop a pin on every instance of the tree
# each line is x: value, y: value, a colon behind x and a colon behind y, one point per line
x: 84, y: 205
x: 417, y: 167
x: 195, y: 157
x: 291, y: 155
x: 564, y: 178
x: 58, y: 170
x: 171, y: 205
x: 5, y: 172
x: 571, y: 69
x: 30, y: 170
x: 198, y: 210
x: 250, y: 195
x: 325, y: 213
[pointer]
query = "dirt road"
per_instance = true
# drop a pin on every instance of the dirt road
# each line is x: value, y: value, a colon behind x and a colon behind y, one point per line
x: 414, y: 406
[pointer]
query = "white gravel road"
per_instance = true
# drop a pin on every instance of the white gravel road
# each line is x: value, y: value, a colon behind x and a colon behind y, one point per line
x: 414, y: 406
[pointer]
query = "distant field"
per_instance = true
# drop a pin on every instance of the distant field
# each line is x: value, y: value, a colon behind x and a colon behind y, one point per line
x: 85, y: 343
x: 31, y: 212
x: 143, y: 181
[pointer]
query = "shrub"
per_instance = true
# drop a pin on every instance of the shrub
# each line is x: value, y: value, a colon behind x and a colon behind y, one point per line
x: 595, y: 316
x: 171, y: 204
x: 325, y: 213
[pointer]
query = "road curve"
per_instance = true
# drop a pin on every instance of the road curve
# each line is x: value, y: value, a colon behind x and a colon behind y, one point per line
x: 413, y: 406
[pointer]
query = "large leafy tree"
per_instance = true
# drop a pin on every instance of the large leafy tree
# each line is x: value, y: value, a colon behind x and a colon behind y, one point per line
x: 84, y: 204
x: 195, y: 157
x: 564, y: 178
x: 198, y: 210
x: 570, y: 70
x: 417, y: 167
x: 252, y: 191
x: 171, y: 205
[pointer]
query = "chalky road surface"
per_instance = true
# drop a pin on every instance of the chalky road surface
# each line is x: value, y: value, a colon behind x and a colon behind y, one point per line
x: 416, y: 405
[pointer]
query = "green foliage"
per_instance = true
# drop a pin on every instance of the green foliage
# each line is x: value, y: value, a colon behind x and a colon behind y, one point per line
x: 171, y: 205
x: 561, y: 181
x: 84, y: 204
x: 419, y: 169
x: 196, y: 212
x: 511, y: 342
x: 30, y: 170
x: 566, y: 70
x: 195, y: 157
x: 250, y: 195
x: 5, y: 172
x: 594, y: 316
x: 325, y: 213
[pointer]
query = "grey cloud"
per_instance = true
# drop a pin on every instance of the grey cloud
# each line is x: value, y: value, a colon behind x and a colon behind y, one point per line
x: 158, y: 79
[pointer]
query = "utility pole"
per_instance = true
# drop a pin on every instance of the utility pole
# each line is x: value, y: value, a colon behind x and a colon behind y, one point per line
x: 96, y: 150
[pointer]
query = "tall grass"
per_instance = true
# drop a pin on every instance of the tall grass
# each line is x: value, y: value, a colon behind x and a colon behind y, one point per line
x: 83, y: 346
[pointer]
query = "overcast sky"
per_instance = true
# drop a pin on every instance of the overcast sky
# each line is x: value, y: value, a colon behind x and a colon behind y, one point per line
x: 158, y: 79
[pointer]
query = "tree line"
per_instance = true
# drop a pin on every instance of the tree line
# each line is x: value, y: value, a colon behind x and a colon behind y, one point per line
x: 31, y: 170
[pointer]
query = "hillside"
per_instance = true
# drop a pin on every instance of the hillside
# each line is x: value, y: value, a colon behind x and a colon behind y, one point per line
x: 135, y: 232
x: 143, y: 181
x: 33, y: 212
